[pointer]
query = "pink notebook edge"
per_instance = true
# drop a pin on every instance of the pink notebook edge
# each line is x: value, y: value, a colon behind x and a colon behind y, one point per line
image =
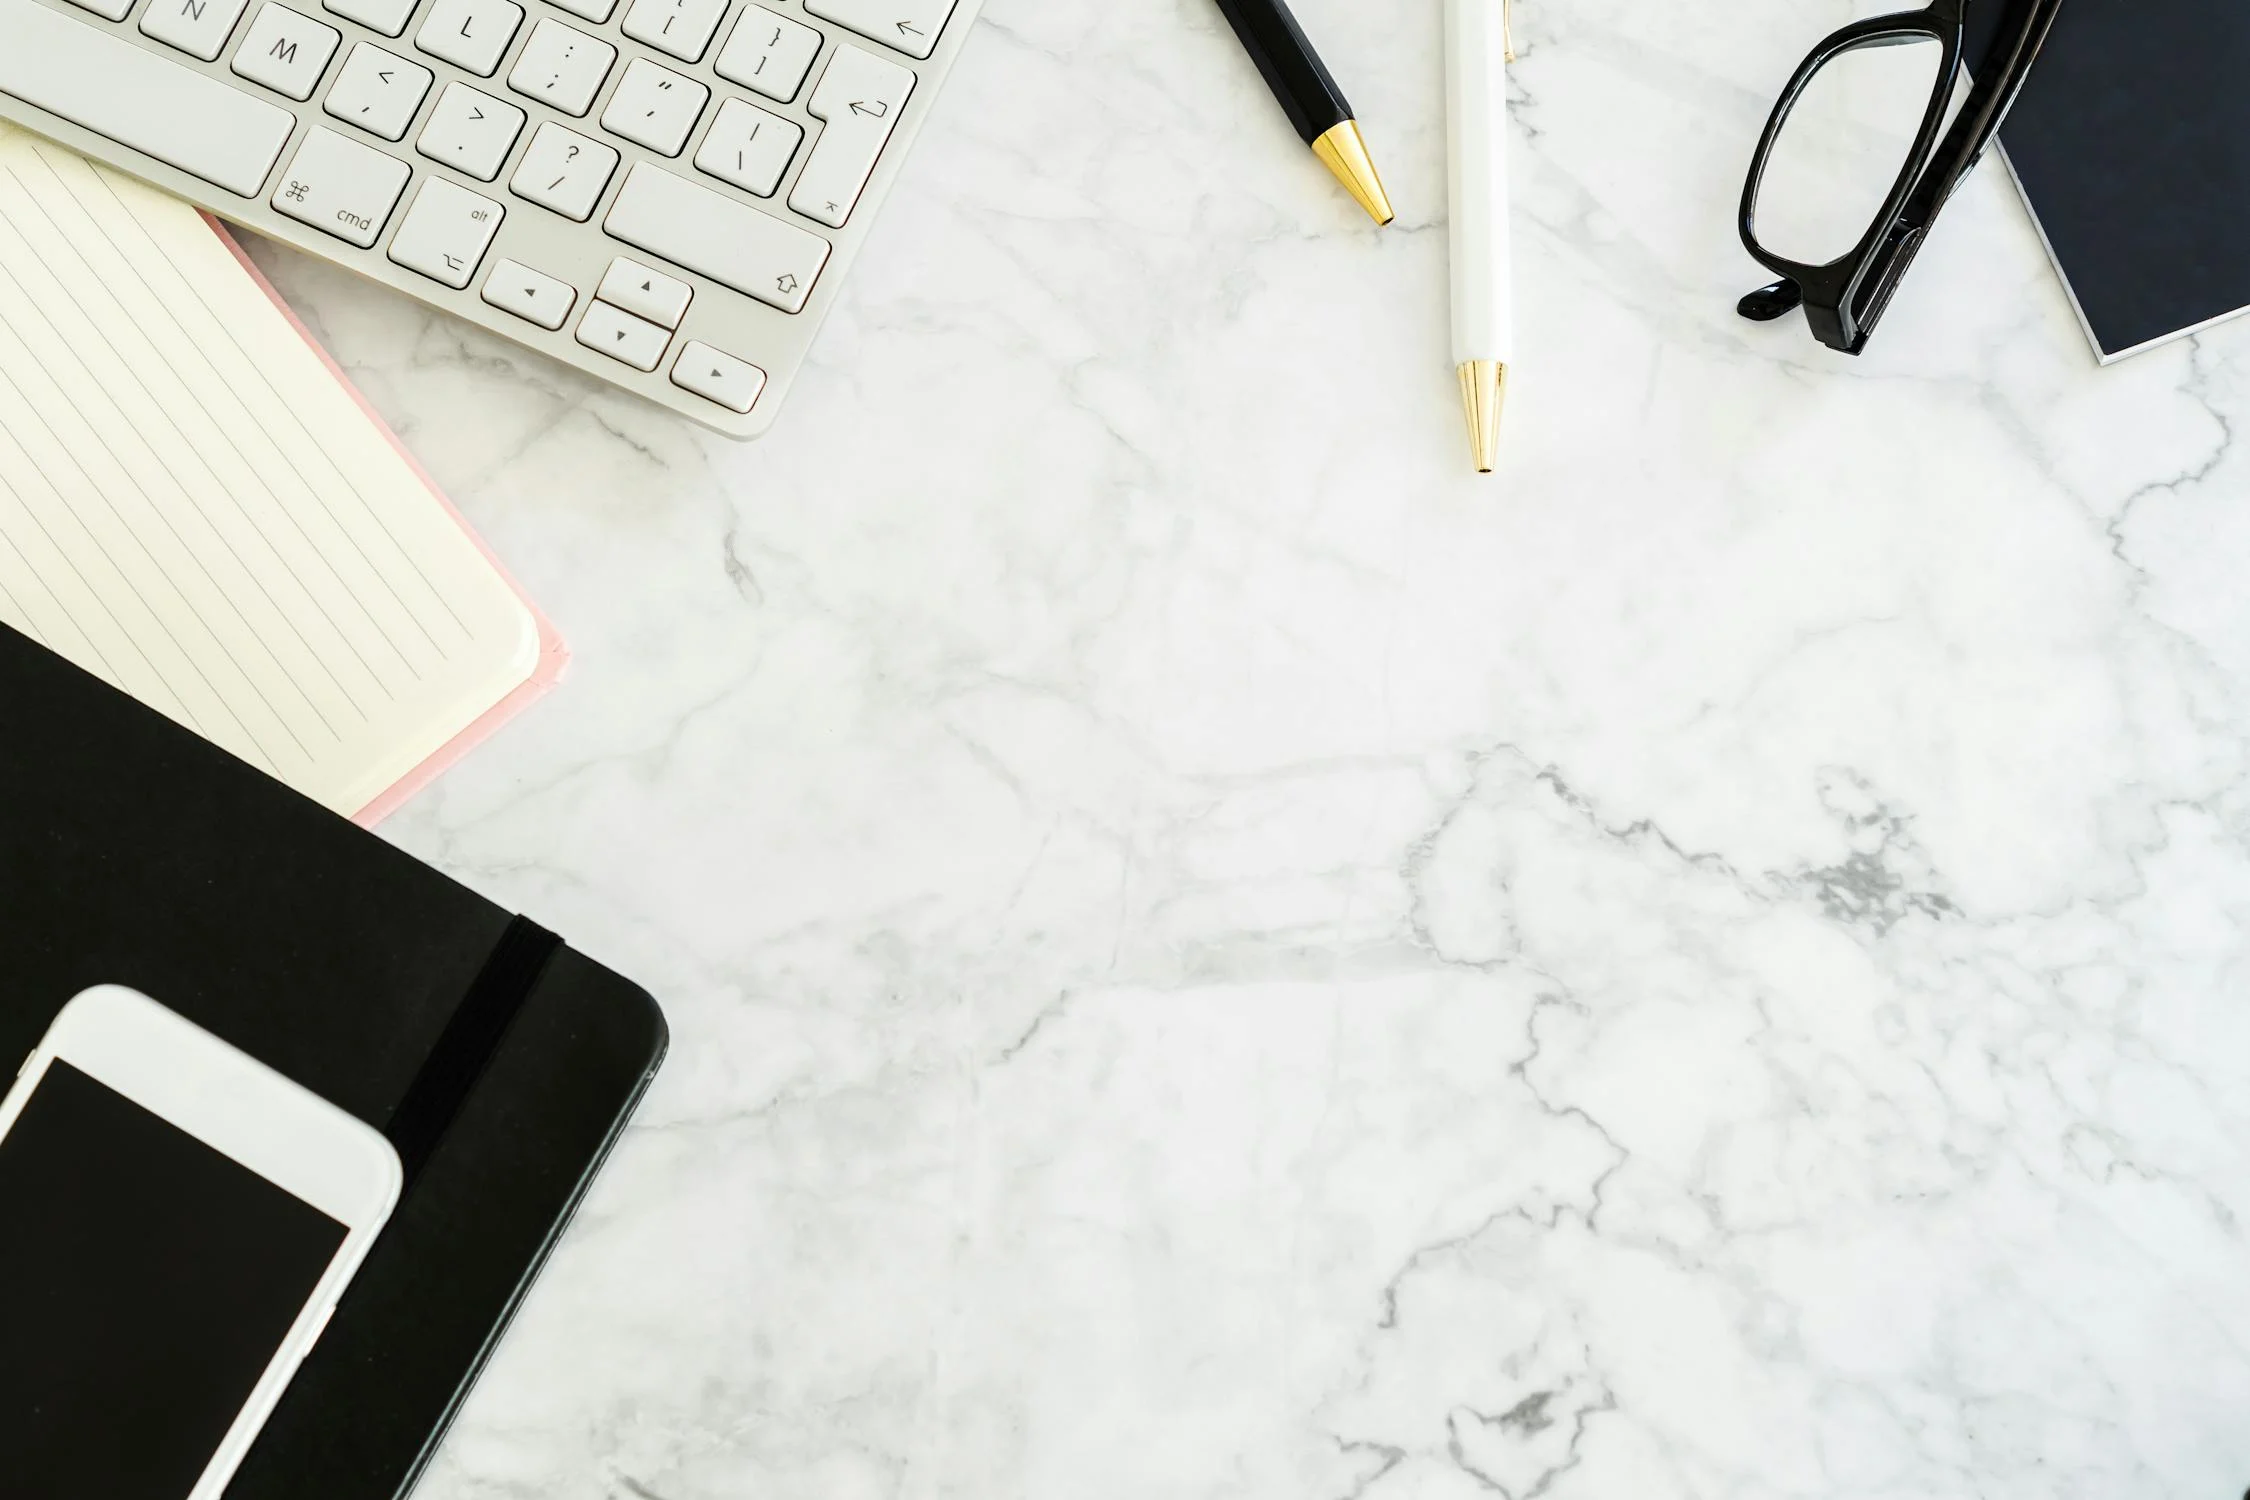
x: 554, y: 655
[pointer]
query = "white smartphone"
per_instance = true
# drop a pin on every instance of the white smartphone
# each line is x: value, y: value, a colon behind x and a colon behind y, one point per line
x: 176, y: 1223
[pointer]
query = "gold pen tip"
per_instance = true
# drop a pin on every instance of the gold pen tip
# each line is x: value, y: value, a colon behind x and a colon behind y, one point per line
x: 1484, y: 387
x: 1344, y: 150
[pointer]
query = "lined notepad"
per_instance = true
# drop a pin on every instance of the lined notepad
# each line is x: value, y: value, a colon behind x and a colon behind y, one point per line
x: 195, y: 508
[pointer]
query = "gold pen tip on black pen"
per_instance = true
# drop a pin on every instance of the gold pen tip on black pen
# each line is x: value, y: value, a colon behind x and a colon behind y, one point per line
x: 1344, y: 149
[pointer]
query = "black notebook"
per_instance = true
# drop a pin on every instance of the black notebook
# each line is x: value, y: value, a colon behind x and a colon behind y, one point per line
x: 2131, y: 143
x: 501, y: 1063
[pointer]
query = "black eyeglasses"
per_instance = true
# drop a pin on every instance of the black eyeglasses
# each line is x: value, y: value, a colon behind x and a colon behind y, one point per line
x: 1845, y: 294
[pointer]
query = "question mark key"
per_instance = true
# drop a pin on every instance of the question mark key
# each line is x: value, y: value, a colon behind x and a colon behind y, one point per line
x: 564, y: 171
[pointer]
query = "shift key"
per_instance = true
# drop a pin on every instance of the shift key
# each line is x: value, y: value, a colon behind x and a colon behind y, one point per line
x: 753, y: 252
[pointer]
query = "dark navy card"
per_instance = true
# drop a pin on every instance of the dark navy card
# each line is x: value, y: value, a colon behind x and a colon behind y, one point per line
x: 2132, y: 144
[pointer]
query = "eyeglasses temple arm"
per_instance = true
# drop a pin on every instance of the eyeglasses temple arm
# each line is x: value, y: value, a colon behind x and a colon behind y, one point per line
x: 1979, y: 125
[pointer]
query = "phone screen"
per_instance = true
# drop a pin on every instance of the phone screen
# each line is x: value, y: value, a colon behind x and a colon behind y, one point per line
x: 145, y: 1282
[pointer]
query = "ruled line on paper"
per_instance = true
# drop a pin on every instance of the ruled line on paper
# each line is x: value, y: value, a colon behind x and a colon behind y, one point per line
x: 102, y: 600
x: 95, y: 425
x: 19, y: 612
x: 220, y: 381
x: 161, y: 614
x: 154, y: 612
x: 314, y: 596
x: 194, y: 506
x: 187, y: 492
x: 31, y: 513
x: 30, y: 620
x: 257, y: 373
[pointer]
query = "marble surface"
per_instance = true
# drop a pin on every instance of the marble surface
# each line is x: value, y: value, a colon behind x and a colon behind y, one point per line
x: 1212, y: 954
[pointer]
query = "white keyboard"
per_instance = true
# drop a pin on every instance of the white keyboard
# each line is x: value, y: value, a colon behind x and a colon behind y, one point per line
x: 663, y: 193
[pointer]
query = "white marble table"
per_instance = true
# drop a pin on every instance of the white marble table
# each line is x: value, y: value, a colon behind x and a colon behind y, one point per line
x: 1213, y: 955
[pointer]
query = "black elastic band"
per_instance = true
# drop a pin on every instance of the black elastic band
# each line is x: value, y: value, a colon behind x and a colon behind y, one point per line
x: 466, y: 1047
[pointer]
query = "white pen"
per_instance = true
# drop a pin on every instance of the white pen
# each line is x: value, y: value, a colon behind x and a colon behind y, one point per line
x: 1478, y: 50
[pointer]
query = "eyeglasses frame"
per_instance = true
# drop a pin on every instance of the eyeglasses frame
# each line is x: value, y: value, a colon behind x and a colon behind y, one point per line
x: 1845, y: 298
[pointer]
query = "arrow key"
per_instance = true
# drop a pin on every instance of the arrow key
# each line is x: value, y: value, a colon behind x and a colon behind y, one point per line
x: 645, y: 293
x: 716, y: 375
x: 531, y: 295
x: 621, y: 336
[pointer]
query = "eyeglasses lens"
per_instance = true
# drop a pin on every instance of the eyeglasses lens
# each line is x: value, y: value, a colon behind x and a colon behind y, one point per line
x: 1841, y: 150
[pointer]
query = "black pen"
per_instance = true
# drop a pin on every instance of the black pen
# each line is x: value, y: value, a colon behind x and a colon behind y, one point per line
x: 1309, y: 95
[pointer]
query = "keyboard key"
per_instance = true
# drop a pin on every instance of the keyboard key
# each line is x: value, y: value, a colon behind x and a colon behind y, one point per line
x: 596, y: 11
x: 859, y: 98
x: 531, y: 295
x: 445, y: 234
x: 378, y: 91
x: 645, y: 293
x: 749, y: 147
x: 562, y: 66
x: 340, y: 186
x: 286, y: 52
x: 912, y: 26
x: 471, y: 34
x: 655, y: 107
x: 710, y: 233
x: 680, y: 27
x: 108, y: 10
x: 199, y: 28
x: 620, y: 335
x: 768, y: 53
x: 471, y: 131
x: 718, y: 376
x: 564, y: 171
x: 140, y: 98
x: 387, y: 16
